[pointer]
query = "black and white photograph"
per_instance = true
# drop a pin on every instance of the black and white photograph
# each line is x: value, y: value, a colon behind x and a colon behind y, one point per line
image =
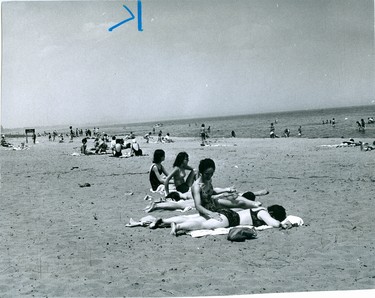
x: 185, y: 148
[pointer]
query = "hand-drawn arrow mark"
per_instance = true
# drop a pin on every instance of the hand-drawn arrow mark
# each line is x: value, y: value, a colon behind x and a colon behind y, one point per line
x: 123, y: 22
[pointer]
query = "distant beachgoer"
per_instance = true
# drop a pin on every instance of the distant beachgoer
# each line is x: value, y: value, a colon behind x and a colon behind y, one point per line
x: 135, y: 149
x: 34, y: 137
x: 49, y: 136
x: 233, y: 133
x: 117, y: 152
x: 157, y: 170
x: 363, y: 124
x: 272, y: 131
x: 286, y: 133
x: 71, y: 133
x: 84, y: 148
x: 160, y: 136
x: 333, y: 122
x: 113, y: 144
x: 100, y: 146
x: 147, y: 136
x: 299, y: 131
x: 367, y: 146
x: 167, y: 138
x: 203, y: 134
x: 180, y: 166
x: 4, y: 143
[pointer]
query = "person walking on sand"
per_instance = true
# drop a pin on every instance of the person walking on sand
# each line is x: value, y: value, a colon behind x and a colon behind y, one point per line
x: 180, y: 166
x: 299, y: 131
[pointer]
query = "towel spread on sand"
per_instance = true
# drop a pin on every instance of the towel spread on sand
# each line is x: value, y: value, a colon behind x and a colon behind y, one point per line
x: 294, y: 220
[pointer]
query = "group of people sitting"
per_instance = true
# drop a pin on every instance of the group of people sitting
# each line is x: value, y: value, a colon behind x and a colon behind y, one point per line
x: 216, y: 207
x: 114, y: 149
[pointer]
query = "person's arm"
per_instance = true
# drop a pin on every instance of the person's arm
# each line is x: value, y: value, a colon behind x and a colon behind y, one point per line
x: 195, y: 190
x: 158, y: 176
x: 268, y: 219
x: 169, y: 177
x: 164, y: 171
x: 219, y: 190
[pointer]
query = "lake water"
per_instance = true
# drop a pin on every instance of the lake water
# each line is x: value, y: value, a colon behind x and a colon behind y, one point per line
x: 255, y: 126
x: 258, y: 125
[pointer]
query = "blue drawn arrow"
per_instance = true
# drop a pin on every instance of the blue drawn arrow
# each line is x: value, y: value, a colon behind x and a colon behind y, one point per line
x: 123, y: 22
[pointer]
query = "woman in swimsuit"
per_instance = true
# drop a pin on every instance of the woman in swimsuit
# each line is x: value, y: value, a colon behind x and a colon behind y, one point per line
x: 157, y: 170
x: 180, y: 166
x: 274, y: 216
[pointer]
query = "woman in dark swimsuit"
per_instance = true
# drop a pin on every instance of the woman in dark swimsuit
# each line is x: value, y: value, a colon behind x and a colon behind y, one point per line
x: 157, y: 170
x: 211, y: 214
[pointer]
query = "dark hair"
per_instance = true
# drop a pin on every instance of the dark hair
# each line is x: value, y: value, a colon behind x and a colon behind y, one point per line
x: 249, y: 195
x: 84, y: 140
x: 114, y: 138
x: 158, y: 155
x: 277, y: 212
x: 180, y: 158
x: 205, y: 164
x: 174, y: 195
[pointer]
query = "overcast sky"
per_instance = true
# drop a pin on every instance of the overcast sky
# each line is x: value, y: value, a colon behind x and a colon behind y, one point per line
x: 197, y: 58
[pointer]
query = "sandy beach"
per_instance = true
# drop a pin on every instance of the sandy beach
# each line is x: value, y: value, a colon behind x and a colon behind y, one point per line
x: 60, y: 239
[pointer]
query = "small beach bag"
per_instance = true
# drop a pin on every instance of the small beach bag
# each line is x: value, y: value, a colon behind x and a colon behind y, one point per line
x: 240, y: 234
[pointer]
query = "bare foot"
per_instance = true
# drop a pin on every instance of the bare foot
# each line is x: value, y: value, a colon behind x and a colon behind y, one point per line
x: 262, y: 192
x: 173, y: 229
x: 156, y: 224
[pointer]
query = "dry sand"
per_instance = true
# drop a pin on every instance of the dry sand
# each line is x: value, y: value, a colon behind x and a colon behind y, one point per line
x: 59, y: 239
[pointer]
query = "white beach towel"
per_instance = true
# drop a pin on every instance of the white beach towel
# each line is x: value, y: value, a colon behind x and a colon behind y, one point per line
x: 294, y: 220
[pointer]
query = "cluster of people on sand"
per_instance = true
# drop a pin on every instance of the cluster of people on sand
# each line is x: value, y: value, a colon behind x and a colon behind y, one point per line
x: 115, y: 148
x: 186, y: 188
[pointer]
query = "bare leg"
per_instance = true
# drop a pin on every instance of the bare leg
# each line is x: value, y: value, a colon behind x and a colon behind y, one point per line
x: 199, y: 224
x: 171, y: 205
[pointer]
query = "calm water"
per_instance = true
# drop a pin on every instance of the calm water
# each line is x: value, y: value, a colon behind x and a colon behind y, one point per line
x: 257, y: 126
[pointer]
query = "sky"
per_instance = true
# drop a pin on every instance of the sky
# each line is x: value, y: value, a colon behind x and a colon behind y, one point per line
x: 200, y: 58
